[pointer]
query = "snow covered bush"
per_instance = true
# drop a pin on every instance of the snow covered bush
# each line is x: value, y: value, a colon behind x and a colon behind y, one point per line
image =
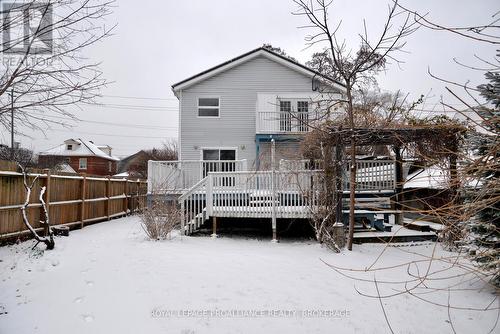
x: 159, y: 219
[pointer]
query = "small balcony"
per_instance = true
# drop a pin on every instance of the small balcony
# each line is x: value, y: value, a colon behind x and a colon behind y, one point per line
x: 275, y: 122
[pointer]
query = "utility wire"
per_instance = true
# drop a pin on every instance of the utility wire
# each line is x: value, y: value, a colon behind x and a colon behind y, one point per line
x: 142, y: 126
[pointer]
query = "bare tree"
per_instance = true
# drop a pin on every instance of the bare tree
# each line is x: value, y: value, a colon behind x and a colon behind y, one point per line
x: 168, y: 152
x: 22, y: 156
x: 476, y: 213
x: 48, y: 240
x: 43, y: 68
x: 160, y: 218
x: 352, y: 68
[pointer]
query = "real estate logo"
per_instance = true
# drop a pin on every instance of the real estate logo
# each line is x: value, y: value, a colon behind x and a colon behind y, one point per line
x: 26, y: 28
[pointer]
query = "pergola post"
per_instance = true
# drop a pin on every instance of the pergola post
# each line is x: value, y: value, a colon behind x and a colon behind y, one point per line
x: 398, y: 185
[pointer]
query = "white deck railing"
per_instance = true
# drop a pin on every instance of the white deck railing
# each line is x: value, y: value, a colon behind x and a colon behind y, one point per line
x: 371, y: 175
x: 250, y: 195
x: 261, y: 194
x: 257, y: 194
x: 179, y: 176
x: 273, y: 122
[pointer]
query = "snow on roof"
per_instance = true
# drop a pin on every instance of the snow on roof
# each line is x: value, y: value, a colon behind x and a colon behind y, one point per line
x: 78, y: 147
x: 66, y: 168
x: 432, y: 177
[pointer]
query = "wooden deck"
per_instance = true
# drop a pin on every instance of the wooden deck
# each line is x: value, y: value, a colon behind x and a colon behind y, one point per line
x: 275, y: 194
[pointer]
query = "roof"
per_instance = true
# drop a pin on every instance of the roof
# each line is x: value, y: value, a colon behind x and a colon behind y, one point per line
x: 124, y: 163
x: 432, y: 177
x: 83, y: 148
x: 251, y: 55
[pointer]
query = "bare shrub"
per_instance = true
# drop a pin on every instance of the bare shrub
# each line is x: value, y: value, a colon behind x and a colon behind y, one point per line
x: 159, y: 219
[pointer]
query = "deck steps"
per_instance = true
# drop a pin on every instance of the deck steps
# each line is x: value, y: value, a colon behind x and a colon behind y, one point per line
x: 194, y: 224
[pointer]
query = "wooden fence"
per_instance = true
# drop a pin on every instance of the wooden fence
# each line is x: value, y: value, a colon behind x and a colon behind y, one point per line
x: 72, y: 200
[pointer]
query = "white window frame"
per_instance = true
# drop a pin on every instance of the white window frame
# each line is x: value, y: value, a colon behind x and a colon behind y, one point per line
x: 207, y: 107
x: 69, y: 147
x: 219, y: 148
x: 80, y: 160
x: 110, y: 166
x: 295, y: 125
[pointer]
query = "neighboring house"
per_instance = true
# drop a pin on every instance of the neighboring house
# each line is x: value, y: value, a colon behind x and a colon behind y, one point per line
x: 135, y: 164
x: 82, y: 156
x: 231, y: 111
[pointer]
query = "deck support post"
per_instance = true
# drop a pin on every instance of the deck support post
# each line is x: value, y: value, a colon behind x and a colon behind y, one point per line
x: 214, y: 227
x: 273, y: 189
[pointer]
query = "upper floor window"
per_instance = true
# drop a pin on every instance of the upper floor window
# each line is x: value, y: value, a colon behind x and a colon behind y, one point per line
x: 69, y: 147
x: 82, y: 163
x: 208, y: 107
x: 294, y: 115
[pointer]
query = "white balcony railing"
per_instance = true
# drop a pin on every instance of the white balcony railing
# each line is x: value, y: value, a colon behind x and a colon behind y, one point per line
x: 178, y: 176
x: 273, y: 122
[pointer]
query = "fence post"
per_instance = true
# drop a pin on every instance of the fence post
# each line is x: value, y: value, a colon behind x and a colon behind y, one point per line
x: 108, y: 195
x: 138, y: 184
x: 82, y: 195
x: 47, y: 201
x: 125, y: 201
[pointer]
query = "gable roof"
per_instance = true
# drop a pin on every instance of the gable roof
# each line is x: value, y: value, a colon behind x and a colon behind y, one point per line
x: 251, y: 55
x: 84, y: 148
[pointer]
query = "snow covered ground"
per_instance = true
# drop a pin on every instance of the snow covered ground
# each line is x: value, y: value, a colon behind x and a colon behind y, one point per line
x: 107, y: 278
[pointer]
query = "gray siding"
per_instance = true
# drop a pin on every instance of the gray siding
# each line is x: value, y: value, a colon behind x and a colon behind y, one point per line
x: 237, y: 89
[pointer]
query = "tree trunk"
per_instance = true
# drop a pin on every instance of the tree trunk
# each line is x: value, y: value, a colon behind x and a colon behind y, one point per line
x: 352, y: 167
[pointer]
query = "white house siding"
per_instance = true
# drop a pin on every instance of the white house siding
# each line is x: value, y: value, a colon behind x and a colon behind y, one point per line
x: 237, y: 89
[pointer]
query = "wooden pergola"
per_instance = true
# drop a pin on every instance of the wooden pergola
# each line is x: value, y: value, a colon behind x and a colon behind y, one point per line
x: 446, y: 137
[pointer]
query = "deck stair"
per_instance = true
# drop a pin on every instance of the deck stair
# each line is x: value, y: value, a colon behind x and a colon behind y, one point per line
x: 280, y: 195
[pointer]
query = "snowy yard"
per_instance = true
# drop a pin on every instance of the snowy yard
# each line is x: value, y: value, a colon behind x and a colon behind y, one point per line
x: 107, y: 278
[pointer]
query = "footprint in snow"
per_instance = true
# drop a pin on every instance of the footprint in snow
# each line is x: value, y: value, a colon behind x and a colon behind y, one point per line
x: 88, y: 317
x: 89, y: 283
x: 78, y: 300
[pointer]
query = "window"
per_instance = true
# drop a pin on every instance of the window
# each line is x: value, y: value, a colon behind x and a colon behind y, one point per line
x: 82, y: 163
x: 294, y: 115
x: 110, y: 166
x: 208, y: 107
x: 213, y: 160
x: 69, y: 147
x: 285, y: 116
x: 302, y: 115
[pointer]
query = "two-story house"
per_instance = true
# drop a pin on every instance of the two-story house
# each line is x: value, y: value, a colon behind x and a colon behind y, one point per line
x: 233, y: 110
x: 82, y: 155
x: 230, y: 118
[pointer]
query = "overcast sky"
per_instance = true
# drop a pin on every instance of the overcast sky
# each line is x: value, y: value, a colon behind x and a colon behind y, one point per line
x: 158, y: 43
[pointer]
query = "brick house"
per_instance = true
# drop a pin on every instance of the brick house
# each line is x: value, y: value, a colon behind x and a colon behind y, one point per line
x: 83, y: 156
